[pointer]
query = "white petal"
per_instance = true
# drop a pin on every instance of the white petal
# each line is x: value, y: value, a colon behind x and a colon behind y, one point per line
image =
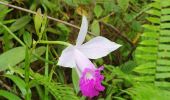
x: 71, y: 57
x: 67, y: 58
x: 82, y: 61
x: 83, y: 31
x: 98, y: 47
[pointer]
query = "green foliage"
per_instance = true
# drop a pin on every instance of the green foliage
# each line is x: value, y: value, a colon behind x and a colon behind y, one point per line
x: 75, y: 79
x: 4, y: 12
x: 32, y: 73
x: 95, y: 28
x: 40, y: 23
x: 27, y: 39
x: 123, y: 4
x: 15, y: 56
x: 98, y: 11
x: 12, y: 57
x: 59, y: 91
x: 20, y: 23
x: 8, y: 95
x: 18, y: 82
x: 153, y: 52
x: 147, y: 92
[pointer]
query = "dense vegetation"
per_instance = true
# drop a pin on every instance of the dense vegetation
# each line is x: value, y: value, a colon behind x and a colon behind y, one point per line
x: 31, y: 44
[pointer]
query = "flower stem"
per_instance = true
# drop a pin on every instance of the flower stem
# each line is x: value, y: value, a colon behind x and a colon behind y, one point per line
x: 54, y: 42
x: 46, y: 68
x: 27, y: 73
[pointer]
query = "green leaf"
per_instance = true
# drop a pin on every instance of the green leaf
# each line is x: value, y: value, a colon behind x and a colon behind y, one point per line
x: 75, y: 79
x: 17, y: 55
x: 37, y: 21
x: 154, y: 12
x: 9, y: 95
x: 108, y: 7
x: 27, y: 38
x: 128, y: 66
x: 77, y: 2
x: 136, y: 26
x: 43, y: 25
x: 166, y: 11
x: 38, y: 51
x: 85, y: 1
x: 65, y: 30
x: 123, y: 4
x: 19, y: 82
x: 40, y: 23
x: 71, y: 2
x: 150, y: 35
x: 11, y: 57
x: 59, y: 91
x: 20, y: 23
x: 4, y: 11
x: 95, y: 28
x: 98, y: 11
x: 138, y: 92
x: 154, y: 20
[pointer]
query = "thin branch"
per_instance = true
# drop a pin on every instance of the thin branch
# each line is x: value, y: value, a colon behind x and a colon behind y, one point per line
x: 54, y: 42
x: 118, y: 33
x: 8, y: 88
x: 51, y: 18
x: 112, y: 13
x: 5, y: 86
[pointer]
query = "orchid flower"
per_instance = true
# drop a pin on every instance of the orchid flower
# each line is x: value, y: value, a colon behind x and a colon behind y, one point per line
x: 77, y: 56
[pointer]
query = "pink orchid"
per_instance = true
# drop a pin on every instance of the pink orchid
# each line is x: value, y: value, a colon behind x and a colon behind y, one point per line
x: 78, y: 57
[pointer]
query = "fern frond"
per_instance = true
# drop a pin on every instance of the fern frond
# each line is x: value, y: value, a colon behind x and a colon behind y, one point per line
x: 59, y: 91
x: 148, y: 92
x: 153, y: 52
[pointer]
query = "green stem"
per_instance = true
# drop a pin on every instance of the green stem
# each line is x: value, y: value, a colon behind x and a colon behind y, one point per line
x: 42, y: 59
x: 46, y: 72
x: 54, y: 42
x: 11, y: 33
x: 27, y: 73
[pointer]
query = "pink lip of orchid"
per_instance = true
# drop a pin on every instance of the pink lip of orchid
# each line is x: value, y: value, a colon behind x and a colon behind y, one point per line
x: 78, y: 57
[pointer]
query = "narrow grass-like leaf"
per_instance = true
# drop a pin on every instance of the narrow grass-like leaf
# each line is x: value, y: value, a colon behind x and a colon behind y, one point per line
x: 75, y: 79
x: 59, y: 91
x: 9, y: 95
x: 20, y: 23
x: 19, y: 82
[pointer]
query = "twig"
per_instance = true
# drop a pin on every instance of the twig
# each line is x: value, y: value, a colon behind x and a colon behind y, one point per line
x: 4, y: 85
x: 112, y: 13
x: 54, y: 42
x: 51, y: 18
x: 118, y: 33
x: 9, y: 88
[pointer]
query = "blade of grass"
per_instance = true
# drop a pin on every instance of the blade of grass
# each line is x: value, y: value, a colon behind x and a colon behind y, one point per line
x: 9, y: 95
x: 27, y: 73
x: 46, y: 71
x: 11, y: 33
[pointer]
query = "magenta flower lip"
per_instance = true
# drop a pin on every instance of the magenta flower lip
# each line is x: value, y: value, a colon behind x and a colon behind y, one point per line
x: 90, y: 82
